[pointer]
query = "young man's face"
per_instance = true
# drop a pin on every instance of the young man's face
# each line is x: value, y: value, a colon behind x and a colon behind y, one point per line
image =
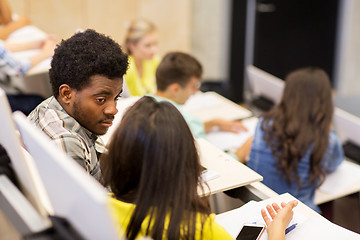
x: 94, y: 106
x: 191, y: 88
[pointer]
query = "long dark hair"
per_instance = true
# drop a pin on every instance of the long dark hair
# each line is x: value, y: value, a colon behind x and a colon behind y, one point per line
x: 153, y: 163
x: 301, y: 120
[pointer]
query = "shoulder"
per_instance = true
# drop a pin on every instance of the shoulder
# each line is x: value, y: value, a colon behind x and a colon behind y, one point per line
x: 50, y: 117
x: 212, y: 230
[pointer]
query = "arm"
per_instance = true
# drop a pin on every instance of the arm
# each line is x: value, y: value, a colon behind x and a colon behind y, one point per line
x: 244, y: 151
x: 280, y: 219
x: 224, y: 125
x: 23, y: 46
x: 47, y: 51
x: 5, y: 12
x: 21, y: 67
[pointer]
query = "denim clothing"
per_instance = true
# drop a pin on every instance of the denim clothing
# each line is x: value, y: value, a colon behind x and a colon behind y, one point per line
x: 263, y: 162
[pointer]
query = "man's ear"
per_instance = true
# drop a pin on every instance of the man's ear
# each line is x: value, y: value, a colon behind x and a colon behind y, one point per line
x: 66, y: 94
x: 174, y: 88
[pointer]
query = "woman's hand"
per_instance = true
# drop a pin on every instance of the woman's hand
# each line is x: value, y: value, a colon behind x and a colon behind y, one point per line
x: 279, y: 218
x: 225, y: 125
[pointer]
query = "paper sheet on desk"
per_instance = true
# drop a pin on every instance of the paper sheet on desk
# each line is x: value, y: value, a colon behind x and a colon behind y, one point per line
x: 320, y: 228
x: 208, y: 175
x: 27, y: 33
x: 249, y: 213
x: 41, y: 66
x: 200, y: 101
x: 346, y: 174
x: 228, y: 140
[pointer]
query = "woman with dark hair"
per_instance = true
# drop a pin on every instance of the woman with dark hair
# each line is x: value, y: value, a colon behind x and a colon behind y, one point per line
x: 294, y: 144
x: 153, y: 169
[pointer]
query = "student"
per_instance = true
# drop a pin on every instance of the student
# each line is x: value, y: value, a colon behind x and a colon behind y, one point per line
x: 153, y: 169
x: 142, y: 45
x: 12, y: 68
x: 178, y: 77
x: 294, y: 144
x: 86, y: 76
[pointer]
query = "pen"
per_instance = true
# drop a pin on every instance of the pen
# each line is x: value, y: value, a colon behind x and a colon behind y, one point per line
x: 290, y: 228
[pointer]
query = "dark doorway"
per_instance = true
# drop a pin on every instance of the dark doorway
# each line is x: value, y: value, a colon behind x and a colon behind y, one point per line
x: 293, y: 34
x: 289, y: 34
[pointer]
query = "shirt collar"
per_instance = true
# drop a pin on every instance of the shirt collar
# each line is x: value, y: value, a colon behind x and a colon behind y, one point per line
x: 70, y: 121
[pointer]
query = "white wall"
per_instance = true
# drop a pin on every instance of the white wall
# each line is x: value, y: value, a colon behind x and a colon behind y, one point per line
x: 210, y: 30
x: 347, y: 78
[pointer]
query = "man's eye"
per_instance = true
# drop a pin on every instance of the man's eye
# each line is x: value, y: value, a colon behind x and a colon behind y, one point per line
x: 100, y: 100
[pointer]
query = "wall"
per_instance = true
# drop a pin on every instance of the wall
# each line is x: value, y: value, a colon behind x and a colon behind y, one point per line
x: 210, y: 37
x: 63, y: 17
x: 348, y: 59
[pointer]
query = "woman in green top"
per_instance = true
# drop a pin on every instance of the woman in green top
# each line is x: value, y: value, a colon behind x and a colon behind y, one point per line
x: 153, y: 169
x: 141, y: 43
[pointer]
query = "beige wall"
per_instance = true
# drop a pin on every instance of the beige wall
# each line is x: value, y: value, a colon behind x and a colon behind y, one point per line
x: 210, y: 37
x: 63, y: 17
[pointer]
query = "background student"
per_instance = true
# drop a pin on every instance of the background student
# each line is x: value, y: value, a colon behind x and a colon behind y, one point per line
x: 141, y: 43
x: 153, y: 169
x: 86, y: 76
x: 11, y: 68
x: 294, y: 144
x: 178, y: 77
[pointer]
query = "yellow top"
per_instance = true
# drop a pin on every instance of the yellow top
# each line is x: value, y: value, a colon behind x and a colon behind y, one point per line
x: 122, y: 213
x: 147, y: 83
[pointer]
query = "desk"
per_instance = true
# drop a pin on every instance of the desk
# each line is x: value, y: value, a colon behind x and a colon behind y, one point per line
x: 210, y: 105
x: 286, y: 197
x: 310, y: 224
x: 322, y: 196
x: 348, y: 104
x: 232, y: 173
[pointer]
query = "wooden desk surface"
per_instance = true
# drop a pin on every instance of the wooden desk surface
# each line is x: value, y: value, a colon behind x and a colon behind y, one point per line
x: 354, y: 187
x: 232, y: 173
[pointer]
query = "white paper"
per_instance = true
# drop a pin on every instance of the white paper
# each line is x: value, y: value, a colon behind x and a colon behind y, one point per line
x: 200, y: 101
x: 345, y: 176
x: 208, y: 175
x: 320, y: 228
x: 250, y: 213
x: 229, y: 140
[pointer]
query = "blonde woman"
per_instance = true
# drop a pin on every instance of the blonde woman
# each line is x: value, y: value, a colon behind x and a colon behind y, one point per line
x: 141, y: 43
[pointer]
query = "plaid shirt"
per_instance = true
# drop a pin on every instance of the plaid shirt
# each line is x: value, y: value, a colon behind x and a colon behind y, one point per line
x: 78, y: 142
x: 10, y: 67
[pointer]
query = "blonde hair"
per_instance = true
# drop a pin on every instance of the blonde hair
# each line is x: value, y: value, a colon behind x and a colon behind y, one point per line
x: 136, y: 30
